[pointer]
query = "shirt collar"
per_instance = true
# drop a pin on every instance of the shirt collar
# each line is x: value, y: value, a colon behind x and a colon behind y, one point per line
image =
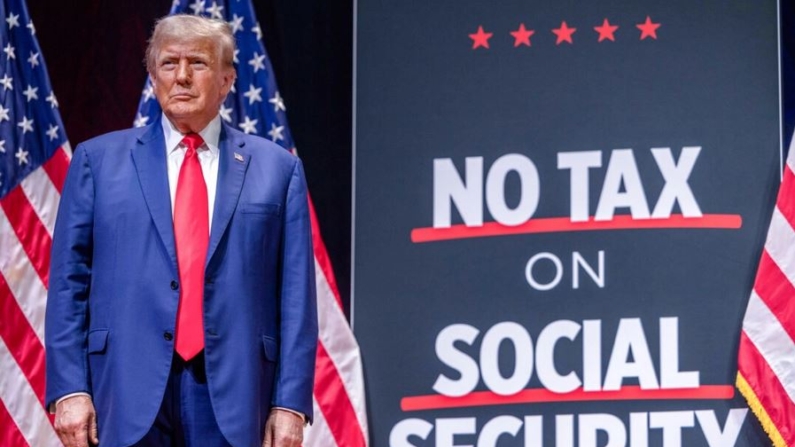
x: 211, y: 134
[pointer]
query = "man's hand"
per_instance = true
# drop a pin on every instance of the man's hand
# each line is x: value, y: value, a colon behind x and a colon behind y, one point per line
x: 283, y: 429
x: 76, y: 422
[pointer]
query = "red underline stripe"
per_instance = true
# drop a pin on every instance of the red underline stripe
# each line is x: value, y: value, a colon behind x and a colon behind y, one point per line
x: 564, y: 224
x: 486, y: 398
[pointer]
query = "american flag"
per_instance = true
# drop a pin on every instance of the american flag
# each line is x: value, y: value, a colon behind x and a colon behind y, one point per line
x: 256, y: 107
x: 34, y: 155
x: 766, y: 376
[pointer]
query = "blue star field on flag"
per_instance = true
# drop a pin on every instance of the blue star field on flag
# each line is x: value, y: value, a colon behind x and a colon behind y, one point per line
x: 30, y: 125
x: 254, y: 105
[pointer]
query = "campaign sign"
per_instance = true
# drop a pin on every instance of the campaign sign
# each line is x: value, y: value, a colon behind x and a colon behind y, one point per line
x: 559, y: 210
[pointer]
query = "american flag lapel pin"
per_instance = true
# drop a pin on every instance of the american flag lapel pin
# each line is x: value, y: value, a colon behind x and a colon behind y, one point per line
x: 238, y: 157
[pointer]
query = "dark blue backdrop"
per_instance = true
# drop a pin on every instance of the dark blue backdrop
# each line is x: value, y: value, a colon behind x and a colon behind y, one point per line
x: 429, y: 92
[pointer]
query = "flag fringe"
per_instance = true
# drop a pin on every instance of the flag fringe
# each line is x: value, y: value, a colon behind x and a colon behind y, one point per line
x: 759, y: 411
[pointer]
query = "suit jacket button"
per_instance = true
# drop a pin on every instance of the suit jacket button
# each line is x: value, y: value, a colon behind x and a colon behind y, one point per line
x: 168, y: 336
x: 174, y: 285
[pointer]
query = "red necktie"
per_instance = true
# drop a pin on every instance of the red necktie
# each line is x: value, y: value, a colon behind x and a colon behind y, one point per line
x: 192, y: 235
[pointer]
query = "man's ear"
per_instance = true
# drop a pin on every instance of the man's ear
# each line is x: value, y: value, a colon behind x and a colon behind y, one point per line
x: 228, y: 79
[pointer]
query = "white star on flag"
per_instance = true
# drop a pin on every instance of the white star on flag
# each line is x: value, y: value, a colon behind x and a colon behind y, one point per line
x: 52, y: 132
x: 33, y: 59
x: 235, y: 57
x: 278, y: 102
x: 257, y: 62
x: 249, y: 125
x: 140, y: 120
x: 8, y: 83
x: 149, y: 92
x: 32, y: 28
x: 30, y: 92
x: 9, y: 51
x: 51, y: 99
x: 237, y: 23
x: 216, y: 11
x: 276, y: 132
x: 197, y: 7
x: 12, y: 20
x: 4, y: 114
x: 22, y: 156
x: 253, y: 94
x: 258, y: 31
x: 3, y: 146
x: 26, y: 125
x: 226, y: 113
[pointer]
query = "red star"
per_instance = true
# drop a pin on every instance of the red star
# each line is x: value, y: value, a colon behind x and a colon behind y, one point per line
x: 522, y: 36
x: 480, y: 38
x: 606, y: 31
x: 564, y: 33
x: 648, y: 29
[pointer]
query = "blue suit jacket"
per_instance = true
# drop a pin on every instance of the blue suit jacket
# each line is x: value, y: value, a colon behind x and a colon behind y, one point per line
x: 112, y: 308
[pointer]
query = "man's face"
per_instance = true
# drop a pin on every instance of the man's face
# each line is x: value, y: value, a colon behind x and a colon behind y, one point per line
x: 190, y: 82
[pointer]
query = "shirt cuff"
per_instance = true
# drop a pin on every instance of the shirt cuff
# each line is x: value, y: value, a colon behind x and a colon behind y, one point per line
x: 297, y: 413
x: 63, y: 398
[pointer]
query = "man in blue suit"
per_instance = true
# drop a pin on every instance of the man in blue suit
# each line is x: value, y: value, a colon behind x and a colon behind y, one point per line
x: 181, y: 307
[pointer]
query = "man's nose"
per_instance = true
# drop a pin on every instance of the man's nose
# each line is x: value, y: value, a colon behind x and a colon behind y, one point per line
x: 183, y: 72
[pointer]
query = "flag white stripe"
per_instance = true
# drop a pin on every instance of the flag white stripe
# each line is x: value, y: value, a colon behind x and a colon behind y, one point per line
x: 23, y: 281
x: 43, y: 197
x: 780, y: 244
x: 318, y: 433
x: 338, y: 339
x: 772, y: 341
x: 22, y: 404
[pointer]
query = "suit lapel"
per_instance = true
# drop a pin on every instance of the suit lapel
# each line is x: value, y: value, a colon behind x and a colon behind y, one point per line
x: 149, y: 157
x: 232, y: 164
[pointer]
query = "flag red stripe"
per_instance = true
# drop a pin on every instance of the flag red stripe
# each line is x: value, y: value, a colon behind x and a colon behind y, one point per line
x: 564, y: 224
x: 333, y: 401
x: 56, y: 168
x: 321, y: 255
x: 768, y: 388
x: 31, y: 232
x: 776, y: 291
x: 9, y: 432
x: 486, y: 398
x: 22, y: 341
x: 784, y: 202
